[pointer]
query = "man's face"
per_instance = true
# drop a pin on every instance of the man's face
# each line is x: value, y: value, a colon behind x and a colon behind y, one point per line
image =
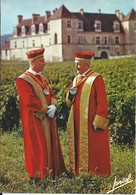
x: 38, y: 64
x: 81, y: 66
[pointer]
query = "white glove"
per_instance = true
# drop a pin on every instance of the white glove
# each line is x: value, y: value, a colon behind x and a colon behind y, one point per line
x: 73, y: 90
x: 51, y: 111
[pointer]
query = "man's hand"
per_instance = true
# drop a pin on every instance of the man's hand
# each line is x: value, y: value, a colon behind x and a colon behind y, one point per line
x: 51, y: 110
x: 73, y: 91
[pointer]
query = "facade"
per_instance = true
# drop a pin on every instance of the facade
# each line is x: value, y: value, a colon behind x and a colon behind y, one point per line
x: 63, y: 32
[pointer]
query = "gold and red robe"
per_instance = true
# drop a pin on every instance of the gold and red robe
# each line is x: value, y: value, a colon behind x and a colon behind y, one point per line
x: 42, y: 149
x: 89, y: 149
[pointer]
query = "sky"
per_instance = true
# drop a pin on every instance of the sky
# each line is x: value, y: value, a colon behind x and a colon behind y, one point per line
x: 10, y: 9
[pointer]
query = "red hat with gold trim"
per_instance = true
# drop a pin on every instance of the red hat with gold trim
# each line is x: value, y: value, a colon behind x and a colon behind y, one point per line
x: 83, y: 55
x: 33, y: 54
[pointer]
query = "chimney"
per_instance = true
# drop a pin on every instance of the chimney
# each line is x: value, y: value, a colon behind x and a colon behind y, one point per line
x: 82, y: 12
x: 55, y: 10
x: 34, y: 17
x: 117, y: 12
x: 99, y: 11
x: 20, y: 18
x: 119, y: 15
x: 47, y: 14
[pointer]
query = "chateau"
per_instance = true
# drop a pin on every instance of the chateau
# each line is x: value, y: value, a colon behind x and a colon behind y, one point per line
x: 64, y: 32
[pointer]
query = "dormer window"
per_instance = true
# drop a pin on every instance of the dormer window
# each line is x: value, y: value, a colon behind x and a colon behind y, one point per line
x: 33, y: 29
x: 116, y: 26
x: 97, y: 26
x: 23, y: 32
x: 40, y: 28
x: 69, y: 24
x: 15, y: 32
x: 80, y: 25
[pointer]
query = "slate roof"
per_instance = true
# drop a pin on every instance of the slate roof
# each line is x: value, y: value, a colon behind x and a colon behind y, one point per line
x: 62, y: 12
x: 88, y: 19
x: 28, y: 22
x: 106, y: 20
x: 131, y: 16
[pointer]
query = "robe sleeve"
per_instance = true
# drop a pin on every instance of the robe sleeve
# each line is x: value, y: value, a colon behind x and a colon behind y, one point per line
x: 28, y: 96
x: 101, y: 116
x: 69, y: 97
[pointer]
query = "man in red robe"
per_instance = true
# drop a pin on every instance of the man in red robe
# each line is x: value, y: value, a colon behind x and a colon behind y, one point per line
x: 38, y: 104
x: 88, y: 120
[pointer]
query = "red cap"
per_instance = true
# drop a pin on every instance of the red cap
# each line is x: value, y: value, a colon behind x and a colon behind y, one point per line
x: 83, y: 55
x: 33, y: 54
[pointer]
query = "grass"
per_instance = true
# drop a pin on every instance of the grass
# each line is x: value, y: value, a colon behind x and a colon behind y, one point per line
x: 14, y: 178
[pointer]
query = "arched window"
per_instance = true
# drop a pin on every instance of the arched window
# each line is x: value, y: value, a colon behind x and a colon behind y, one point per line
x: 55, y: 38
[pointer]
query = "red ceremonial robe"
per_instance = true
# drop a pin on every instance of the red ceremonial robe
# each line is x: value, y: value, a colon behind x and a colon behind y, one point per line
x: 42, y: 149
x: 89, y: 148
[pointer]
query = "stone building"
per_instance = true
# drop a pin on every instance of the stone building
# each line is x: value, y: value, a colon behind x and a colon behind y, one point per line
x: 64, y: 32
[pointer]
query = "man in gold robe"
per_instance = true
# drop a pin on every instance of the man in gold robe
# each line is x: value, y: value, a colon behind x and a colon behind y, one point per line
x: 88, y: 120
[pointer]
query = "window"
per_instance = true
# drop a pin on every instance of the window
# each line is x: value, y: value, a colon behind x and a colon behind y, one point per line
x: 97, y: 40
x: 15, y: 31
x: 97, y: 25
x: 15, y: 44
x: 23, y: 44
x: 41, y: 28
x: 6, y: 52
x: 55, y: 38
x: 69, y: 39
x: 33, y: 29
x: 80, y: 26
x: 23, y: 30
x: 80, y: 39
x: 69, y: 24
x: 105, y: 40
x: 116, y: 26
x: 33, y: 43
x: 116, y: 40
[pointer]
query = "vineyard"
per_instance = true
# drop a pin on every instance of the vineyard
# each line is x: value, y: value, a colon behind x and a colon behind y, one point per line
x: 119, y: 80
